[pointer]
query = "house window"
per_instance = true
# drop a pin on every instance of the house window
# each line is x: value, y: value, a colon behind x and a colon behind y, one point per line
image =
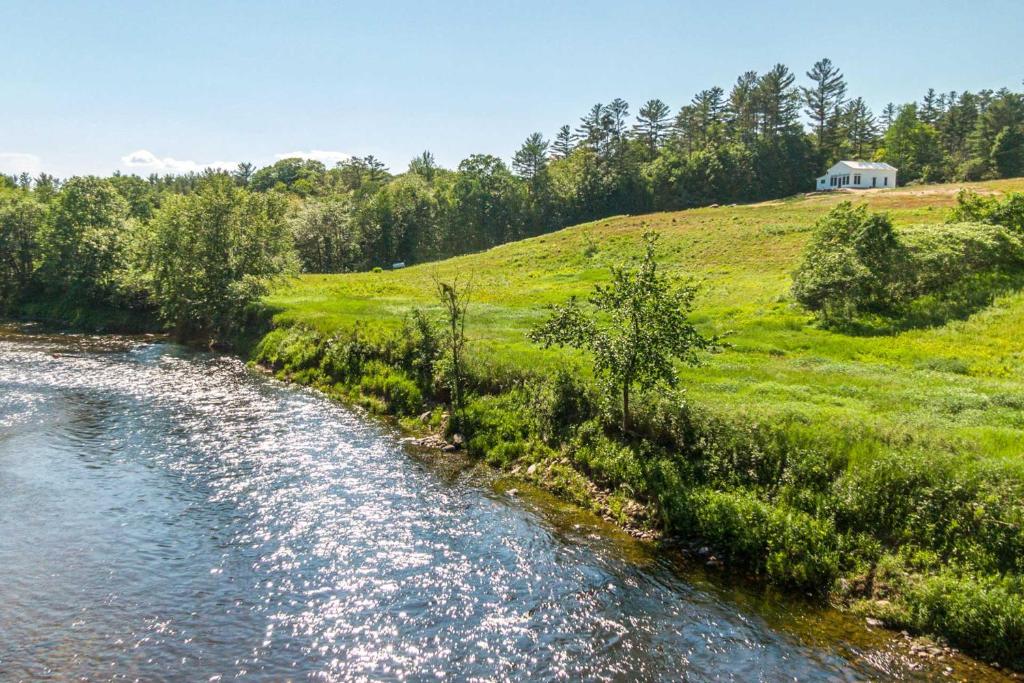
x: 885, y: 181
x: 856, y: 180
x: 832, y: 180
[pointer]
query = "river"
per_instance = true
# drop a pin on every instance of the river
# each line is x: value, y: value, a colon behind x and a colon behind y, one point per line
x: 172, y: 515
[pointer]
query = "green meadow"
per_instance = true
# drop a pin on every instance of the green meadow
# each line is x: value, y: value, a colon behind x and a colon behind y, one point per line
x: 958, y: 386
x: 880, y: 467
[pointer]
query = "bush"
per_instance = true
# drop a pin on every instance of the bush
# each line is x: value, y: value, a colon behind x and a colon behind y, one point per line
x: 793, y: 548
x: 983, y: 614
x: 972, y: 207
x: 499, y: 429
x: 851, y: 265
x: 400, y: 394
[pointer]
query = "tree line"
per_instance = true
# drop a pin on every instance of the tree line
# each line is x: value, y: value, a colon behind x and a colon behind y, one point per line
x: 765, y: 137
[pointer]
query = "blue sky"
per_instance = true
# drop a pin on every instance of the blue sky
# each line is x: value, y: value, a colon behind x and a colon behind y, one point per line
x: 90, y: 87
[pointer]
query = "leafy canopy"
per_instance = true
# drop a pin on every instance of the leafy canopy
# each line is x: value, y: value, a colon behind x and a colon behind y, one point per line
x: 214, y: 252
x: 636, y: 327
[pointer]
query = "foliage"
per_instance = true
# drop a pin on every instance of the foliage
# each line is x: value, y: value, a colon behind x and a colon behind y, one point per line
x: 21, y: 221
x: 326, y: 236
x: 851, y: 265
x: 647, y: 328
x: 82, y: 245
x: 454, y: 299
x: 213, y: 253
x: 972, y: 207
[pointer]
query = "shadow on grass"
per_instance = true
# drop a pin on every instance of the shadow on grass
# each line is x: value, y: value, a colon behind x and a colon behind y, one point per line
x: 959, y: 301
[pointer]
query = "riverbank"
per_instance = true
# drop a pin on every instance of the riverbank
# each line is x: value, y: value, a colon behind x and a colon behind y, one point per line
x: 879, y: 470
x: 164, y: 492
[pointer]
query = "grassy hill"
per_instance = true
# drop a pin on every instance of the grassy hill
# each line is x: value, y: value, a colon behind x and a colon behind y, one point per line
x: 883, y: 467
x: 960, y: 385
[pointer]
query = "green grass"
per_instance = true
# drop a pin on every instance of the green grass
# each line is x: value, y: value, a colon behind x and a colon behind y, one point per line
x: 959, y: 386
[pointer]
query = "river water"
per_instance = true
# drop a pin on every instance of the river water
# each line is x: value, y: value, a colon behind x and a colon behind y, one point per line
x: 172, y: 515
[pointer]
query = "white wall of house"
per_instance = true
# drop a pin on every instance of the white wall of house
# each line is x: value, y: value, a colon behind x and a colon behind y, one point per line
x: 860, y: 175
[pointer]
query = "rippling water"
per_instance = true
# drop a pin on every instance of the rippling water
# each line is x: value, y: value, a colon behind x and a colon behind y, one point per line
x: 166, y: 514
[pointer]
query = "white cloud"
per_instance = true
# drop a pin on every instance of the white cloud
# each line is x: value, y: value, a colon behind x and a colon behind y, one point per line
x: 325, y: 156
x: 143, y: 160
x: 20, y: 162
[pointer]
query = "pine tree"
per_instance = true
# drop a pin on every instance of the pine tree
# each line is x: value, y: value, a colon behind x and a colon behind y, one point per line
x: 592, y: 129
x: 823, y: 103
x: 563, y: 143
x: 888, y: 116
x: 778, y: 101
x: 652, y: 123
x: 741, y: 109
x: 860, y: 128
x: 930, y: 108
x: 531, y: 160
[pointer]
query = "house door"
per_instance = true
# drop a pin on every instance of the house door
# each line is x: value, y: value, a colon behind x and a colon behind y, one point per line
x: 874, y: 182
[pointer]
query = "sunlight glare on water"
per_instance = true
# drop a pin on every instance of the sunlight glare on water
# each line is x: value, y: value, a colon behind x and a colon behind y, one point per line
x: 170, y: 514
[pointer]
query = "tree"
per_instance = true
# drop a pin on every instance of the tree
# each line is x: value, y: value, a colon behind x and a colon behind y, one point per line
x: 593, y: 129
x: 213, y: 253
x: 82, y: 246
x: 636, y: 328
x: 243, y: 173
x: 860, y: 128
x: 741, y: 109
x: 823, y: 103
x: 531, y: 160
x: 912, y: 146
x: 424, y: 166
x: 302, y: 176
x: 889, y: 113
x: 485, y: 203
x: 454, y: 300
x: 778, y: 102
x: 1008, y: 152
x: 563, y: 144
x: 652, y: 124
x: 854, y: 264
x: 326, y: 236
x: 21, y: 219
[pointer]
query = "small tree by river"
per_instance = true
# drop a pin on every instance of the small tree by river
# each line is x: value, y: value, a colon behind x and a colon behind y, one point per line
x: 636, y: 327
x: 454, y: 300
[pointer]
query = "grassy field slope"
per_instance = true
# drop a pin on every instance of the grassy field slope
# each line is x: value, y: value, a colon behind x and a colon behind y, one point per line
x: 958, y: 387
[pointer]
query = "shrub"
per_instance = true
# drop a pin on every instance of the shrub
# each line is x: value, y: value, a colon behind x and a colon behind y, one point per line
x: 793, y: 548
x: 498, y: 428
x: 344, y: 355
x: 850, y: 266
x: 984, y: 614
x: 400, y: 394
x: 972, y: 207
x: 561, y: 403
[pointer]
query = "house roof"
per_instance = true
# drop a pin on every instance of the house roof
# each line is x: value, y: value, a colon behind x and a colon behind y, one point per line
x: 867, y: 165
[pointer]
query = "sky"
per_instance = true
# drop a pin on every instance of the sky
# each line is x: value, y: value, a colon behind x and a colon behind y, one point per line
x: 144, y: 86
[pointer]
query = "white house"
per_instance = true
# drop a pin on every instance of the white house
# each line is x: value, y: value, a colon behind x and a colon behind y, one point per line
x: 858, y: 175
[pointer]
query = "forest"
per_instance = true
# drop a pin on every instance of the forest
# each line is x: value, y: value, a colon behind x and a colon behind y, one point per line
x: 115, y: 242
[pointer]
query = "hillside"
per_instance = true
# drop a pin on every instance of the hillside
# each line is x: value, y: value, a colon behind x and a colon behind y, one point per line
x: 881, y: 469
x: 959, y: 385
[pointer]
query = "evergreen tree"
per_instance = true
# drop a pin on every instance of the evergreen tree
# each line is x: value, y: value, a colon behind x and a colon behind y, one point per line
x: 930, y: 108
x: 424, y: 166
x: 243, y: 173
x: 563, y: 143
x: 823, y: 103
x: 741, y: 110
x: 652, y: 123
x: 888, y: 116
x: 860, y: 128
x: 778, y: 102
x: 531, y: 160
